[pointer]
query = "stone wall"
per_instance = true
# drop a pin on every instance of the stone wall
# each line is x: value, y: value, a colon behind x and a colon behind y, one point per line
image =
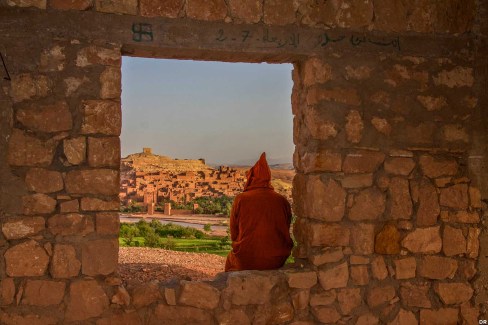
x: 390, y: 157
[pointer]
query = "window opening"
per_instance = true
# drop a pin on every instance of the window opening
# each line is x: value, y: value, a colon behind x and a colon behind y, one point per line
x: 190, y: 130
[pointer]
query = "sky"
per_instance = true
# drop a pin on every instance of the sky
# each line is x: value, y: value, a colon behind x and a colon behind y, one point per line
x: 226, y: 113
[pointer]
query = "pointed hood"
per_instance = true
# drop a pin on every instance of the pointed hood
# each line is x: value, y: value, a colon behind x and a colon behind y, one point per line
x: 259, y: 176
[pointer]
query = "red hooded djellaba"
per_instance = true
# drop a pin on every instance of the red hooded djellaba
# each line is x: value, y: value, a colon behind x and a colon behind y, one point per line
x: 259, y: 224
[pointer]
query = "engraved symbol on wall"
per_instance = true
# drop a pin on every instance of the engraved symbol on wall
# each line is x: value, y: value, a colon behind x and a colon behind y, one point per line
x: 142, y: 32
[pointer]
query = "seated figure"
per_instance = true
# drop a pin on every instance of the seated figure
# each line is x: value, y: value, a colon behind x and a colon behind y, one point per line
x: 259, y: 224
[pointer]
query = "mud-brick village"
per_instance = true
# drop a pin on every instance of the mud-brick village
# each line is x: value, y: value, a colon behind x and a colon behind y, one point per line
x: 390, y: 127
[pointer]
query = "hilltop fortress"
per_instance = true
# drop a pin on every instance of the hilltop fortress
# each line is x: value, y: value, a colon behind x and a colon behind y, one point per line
x: 147, y: 178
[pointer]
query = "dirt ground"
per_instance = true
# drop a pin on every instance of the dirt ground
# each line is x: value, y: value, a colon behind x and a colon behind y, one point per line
x: 142, y: 264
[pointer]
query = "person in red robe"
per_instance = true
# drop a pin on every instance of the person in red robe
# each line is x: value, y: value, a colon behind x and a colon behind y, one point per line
x: 259, y: 224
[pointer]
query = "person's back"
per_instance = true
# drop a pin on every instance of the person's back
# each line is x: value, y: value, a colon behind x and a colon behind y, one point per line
x: 260, y: 223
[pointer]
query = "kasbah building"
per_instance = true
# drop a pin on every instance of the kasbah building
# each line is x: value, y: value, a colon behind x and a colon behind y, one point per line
x: 390, y: 128
x: 150, y: 180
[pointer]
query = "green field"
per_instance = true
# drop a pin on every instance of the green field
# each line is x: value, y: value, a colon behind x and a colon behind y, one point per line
x: 210, y: 246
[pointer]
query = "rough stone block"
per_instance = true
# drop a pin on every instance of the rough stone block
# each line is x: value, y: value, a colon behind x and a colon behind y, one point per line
x: 94, y: 204
x: 379, y: 295
x: 449, y: 316
x: 117, y: 6
x: 475, y: 197
x: 41, y: 4
x: 423, y: 240
x: 390, y: 16
x: 315, y: 70
x: 381, y: 125
x: 26, y: 86
x: 161, y: 8
x: 145, y: 294
x: 436, y: 167
x: 455, y: 197
x: 46, y: 118
x: 210, y: 10
x: 99, y: 55
x: 170, y: 296
x: 369, y: 204
x: 359, y: 275
x: 301, y: 279
x: 473, y: 244
x: 64, y: 263
x: 108, y: 223
x: 248, y: 288
x: 363, y: 161
x: 416, y: 294
x: 92, y: 181
x: 455, y: 78
x: 121, y: 297
x: 378, y: 268
x: 324, y: 200
x: 69, y: 206
x: 104, y: 152
x: 323, y: 298
x: 399, y: 166
x: 38, y: 204
x: 99, y: 257
x: 454, y: 293
x: 44, y: 181
x: 79, y: 307
x: 354, y: 126
x: 26, y: 150
x: 455, y: 133
x: 355, y: 14
x: 454, y: 242
x: 437, y: 267
x: 388, y: 241
x: 428, y: 209
x: 179, y: 315
x: 319, y: 125
x: 321, y: 161
x: 71, y: 224
x: 22, y: 228
x: 326, y: 315
x: 110, y: 84
x: 367, y: 319
x: 335, y: 277
x: 277, y: 12
x: 52, y: 59
x: 26, y: 259
x: 199, y: 294
x: 337, y: 95
x: 75, y: 150
x: 7, y: 291
x: 361, y: 72
x: 362, y: 239
x: 328, y: 235
x: 126, y: 318
x: 71, y: 4
x: 357, y: 181
x: 328, y: 255
x: 349, y: 299
x: 27, y: 319
x: 405, y: 268
x: 101, y: 117
x: 401, y: 206
x: 247, y: 11
x: 432, y: 103
x: 43, y: 293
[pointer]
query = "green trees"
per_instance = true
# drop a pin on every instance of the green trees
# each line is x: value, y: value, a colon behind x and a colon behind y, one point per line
x: 206, y: 205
